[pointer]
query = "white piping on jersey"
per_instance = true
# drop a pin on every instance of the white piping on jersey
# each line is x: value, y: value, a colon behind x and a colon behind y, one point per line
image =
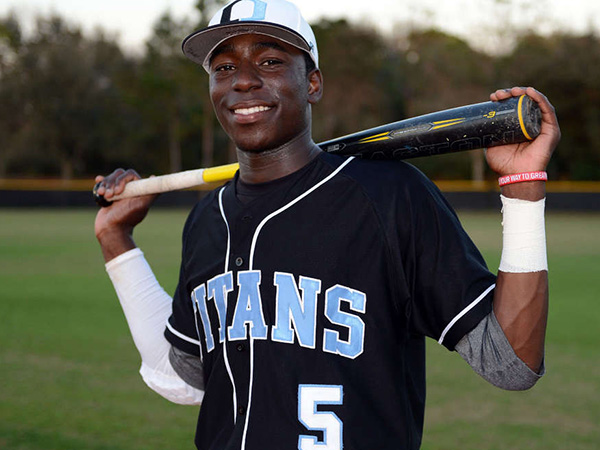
x: 292, y: 203
x: 196, y: 312
x: 181, y: 335
x: 227, y: 226
x: 251, y: 263
x: 464, y: 311
x: 249, y: 393
x: 226, y: 358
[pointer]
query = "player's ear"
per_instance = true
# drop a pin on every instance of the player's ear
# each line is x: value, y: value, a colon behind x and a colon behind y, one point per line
x: 315, y: 86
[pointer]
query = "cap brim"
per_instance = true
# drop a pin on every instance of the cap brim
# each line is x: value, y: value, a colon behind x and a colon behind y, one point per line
x: 199, y: 45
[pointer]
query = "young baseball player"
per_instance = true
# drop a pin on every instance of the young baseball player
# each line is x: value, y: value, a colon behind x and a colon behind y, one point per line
x: 309, y: 282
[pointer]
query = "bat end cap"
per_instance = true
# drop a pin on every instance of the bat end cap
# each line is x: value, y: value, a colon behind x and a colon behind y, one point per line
x: 99, y: 199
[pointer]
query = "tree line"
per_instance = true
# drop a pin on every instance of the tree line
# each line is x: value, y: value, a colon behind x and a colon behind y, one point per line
x: 74, y: 104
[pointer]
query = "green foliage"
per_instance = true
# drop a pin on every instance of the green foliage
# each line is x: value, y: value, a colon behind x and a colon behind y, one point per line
x: 206, y: 9
x: 442, y: 71
x: 75, y: 105
x: 10, y: 40
x: 60, y: 101
x: 353, y: 62
x: 567, y: 69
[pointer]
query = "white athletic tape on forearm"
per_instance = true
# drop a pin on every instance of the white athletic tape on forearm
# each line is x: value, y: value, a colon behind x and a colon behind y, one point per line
x: 147, y: 307
x: 524, y: 236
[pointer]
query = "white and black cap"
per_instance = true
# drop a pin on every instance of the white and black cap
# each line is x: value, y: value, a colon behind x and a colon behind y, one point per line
x: 276, y: 18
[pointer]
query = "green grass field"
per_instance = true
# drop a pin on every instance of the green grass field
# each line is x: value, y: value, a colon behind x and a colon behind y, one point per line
x: 68, y: 368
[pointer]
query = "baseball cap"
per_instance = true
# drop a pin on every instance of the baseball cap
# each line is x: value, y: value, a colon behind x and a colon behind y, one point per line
x: 276, y: 18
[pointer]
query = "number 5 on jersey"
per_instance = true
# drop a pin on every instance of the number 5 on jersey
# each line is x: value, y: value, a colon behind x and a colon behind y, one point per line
x: 310, y: 396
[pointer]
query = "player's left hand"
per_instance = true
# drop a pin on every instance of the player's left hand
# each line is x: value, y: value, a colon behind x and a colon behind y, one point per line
x: 528, y: 156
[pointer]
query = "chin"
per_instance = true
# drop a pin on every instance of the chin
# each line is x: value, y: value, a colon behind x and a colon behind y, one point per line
x: 267, y: 140
x: 255, y: 149
x: 258, y: 145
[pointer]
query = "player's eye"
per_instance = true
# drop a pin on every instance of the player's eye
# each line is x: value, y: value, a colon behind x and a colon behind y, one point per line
x: 270, y: 62
x: 224, y: 67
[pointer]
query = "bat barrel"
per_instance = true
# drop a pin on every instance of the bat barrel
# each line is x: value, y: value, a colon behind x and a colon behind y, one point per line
x: 470, y: 127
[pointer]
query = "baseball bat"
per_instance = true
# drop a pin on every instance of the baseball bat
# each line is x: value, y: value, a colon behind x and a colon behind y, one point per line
x: 481, y: 125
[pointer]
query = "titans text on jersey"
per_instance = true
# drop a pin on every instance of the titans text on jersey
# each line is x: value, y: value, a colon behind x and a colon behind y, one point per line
x: 296, y: 314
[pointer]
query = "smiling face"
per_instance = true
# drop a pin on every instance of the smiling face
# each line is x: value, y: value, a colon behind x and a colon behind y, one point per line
x: 261, y: 91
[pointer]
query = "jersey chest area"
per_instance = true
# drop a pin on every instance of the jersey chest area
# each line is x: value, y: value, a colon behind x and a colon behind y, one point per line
x: 296, y: 303
x: 314, y: 275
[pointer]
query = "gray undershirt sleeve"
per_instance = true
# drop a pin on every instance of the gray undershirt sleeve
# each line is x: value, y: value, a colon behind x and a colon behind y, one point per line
x: 188, y: 367
x: 487, y: 350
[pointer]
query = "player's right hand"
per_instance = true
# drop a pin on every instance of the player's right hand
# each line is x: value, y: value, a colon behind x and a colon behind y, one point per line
x: 115, y: 223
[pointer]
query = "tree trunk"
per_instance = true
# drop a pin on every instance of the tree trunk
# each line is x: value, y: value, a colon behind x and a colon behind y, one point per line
x: 477, y: 165
x: 208, y: 149
x: 4, y: 158
x: 2, y: 167
x: 66, y: 168
x: 174, y: 144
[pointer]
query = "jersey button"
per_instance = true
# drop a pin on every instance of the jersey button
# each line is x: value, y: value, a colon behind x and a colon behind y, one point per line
x: 240, y: 347
x: 241, y: 410
x: 247, y: 218
x: 239, y: 261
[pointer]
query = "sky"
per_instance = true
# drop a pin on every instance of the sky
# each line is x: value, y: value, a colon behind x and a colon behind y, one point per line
x: 474, y: 20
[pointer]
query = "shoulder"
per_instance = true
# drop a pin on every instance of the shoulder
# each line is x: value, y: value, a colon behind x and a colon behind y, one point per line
x: 402, y: 196
x: 385, y: 178
x: 203, y: 211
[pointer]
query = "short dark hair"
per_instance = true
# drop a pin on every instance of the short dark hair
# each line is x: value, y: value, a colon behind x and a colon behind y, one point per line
x: 309, y: 63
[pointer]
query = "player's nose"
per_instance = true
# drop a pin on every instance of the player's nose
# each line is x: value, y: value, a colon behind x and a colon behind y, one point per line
x: 247, y: 77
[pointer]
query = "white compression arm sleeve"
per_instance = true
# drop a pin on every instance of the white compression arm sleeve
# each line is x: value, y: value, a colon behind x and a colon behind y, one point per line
x: 147, y: 307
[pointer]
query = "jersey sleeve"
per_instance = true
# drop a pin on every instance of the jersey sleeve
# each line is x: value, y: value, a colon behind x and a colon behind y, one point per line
x: 451, y: 287
x: 181, y: 330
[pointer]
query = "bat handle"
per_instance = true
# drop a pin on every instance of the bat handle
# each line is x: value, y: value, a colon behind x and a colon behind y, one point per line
x: 209, y: 177
x: 99, y: 199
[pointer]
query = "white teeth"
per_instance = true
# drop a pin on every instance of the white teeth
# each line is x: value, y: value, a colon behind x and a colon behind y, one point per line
x: 253, y: 110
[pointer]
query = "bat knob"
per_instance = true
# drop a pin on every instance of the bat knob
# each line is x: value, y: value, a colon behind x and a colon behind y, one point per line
x: 99, y: 199
x: 532, y: 118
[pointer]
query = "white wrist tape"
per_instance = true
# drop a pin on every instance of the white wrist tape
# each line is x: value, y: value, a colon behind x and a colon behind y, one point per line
x: 147, y: 307
x: 524, y: 236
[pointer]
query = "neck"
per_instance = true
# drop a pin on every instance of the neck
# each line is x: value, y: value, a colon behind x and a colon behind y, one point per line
x: 269, y: 165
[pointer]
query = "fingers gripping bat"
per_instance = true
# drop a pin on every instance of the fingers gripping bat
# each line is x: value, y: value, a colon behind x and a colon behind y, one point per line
x: 469, y: 127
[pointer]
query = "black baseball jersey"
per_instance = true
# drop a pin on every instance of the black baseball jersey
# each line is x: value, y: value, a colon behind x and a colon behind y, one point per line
x: 309, y: 306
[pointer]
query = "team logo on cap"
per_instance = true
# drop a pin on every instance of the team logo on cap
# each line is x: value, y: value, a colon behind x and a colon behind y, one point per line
x: 259, y: 11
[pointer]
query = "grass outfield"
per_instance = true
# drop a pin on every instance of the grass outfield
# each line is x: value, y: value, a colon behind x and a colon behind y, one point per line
x: 68, y: 368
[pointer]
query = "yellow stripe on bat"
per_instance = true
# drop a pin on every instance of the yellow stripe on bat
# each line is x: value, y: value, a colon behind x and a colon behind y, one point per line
x: 220, y: 173
x: 449, y: 120
x: 368, y: 141
x: 447, y: 123
x: 376, y: 137
x: 521, y: 122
